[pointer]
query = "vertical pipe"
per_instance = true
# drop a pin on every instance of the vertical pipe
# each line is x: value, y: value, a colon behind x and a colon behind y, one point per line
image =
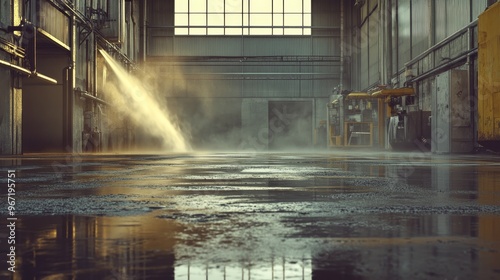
x: 411, y: 30
x: 472, y: 83
x: 432, y: 29
x: 381, y: 42
x: 87, y: 67
x: 94, y: 72
x: 144, y: 29
x: 385, y: 29
x: 65, y: 105
x: 328, y: 124
x: 342, y: 45
x: 388, y: 41
x: 67, y: 108
x: 347, y: 45
x: 397, y: 39
x: 71, y: 82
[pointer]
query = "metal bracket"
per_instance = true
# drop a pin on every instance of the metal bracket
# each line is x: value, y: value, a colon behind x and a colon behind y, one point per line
x: 84, y: 34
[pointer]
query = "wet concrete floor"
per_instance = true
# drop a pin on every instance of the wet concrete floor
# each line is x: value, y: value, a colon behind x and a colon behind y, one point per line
x: 328, y: 215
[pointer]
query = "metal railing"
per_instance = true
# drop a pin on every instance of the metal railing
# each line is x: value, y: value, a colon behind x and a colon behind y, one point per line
x: 444, y: 55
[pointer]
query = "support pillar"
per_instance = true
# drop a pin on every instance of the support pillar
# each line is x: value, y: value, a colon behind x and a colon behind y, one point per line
x: 10, y: 113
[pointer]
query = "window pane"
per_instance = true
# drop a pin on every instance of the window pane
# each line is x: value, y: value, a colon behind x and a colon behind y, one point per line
x: 307, y: 19
x: 181, y: 6
x: 233, y: 31
x: 215, y: 20
x: 261, y: 20
x: 181, y: 31
x: 277, y: 20
x: 293, y: 6
x: 197, y: 31
x: 278, y: 6
x: 307, y: 6
x: 293, y: 31
x: 233, y: 20
x: 261, y: 6
x: 216, y: 6
x: 293, y: 20
x: 197, y: 6
x: 215, y: 31
x: 230, y: 17
x: 233, y: 6
x: 245, y: 6
x: 261, y: 31
x: 181, y: 19
x: 197, y: 20
x: 245, y: 19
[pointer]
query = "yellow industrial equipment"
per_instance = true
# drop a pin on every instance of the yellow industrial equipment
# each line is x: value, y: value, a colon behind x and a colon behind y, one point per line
x: 391, y: 107
x: 394, y: 92
x: 383, y: 116
x: 350, y: 120
x: 399, y: 119
x: 489, y: 78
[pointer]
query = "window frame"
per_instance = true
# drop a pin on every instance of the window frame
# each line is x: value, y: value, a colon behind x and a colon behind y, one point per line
x: 242, y: 12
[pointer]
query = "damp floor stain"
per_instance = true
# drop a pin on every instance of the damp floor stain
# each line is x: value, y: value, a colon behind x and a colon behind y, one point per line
x: 328, y: 215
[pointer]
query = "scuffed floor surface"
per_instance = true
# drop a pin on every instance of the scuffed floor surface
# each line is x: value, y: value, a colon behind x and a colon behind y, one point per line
x: 329, y: 215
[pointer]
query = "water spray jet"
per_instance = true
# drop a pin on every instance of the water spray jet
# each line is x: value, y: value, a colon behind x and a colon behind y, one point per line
x: 132, y: 98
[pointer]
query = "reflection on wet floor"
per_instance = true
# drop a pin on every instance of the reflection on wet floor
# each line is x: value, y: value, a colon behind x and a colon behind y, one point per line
x: 257, y: 216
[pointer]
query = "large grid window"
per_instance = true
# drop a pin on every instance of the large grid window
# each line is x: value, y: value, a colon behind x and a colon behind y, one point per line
x: 243, y: 17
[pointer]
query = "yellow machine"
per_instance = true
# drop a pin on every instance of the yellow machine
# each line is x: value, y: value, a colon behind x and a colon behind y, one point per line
x: 385, y: 116
x: 351, y: 120
x: 489, y: 78
x: 400, y: 125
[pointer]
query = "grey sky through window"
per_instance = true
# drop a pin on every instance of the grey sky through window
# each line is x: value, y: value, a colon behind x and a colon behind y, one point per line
x: 243, y: 17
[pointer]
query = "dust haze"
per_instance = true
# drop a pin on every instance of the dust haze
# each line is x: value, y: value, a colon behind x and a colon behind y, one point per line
x: 177, y: 111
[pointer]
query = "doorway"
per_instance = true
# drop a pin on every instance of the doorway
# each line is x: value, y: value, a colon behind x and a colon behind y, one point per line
x: 44, y: 110
x: 290, y: 124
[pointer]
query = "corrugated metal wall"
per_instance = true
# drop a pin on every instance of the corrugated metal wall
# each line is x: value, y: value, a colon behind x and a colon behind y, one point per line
x: 373, y: 48
x: 404, y: 32
x: 416, y: 26
x: 257, y: 69
x: 364, y: 61
x: 323, y: 43
x: 394, y: 34
x: 452, y: 15
x: 291, y: 48
x: 478, y: 6
x: 420, y: 28
x: 52, y: 21
x: 369, y: 45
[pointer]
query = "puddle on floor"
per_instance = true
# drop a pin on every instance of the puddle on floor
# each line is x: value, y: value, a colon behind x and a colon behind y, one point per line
x: 256, y: 216
x: 259, y: 246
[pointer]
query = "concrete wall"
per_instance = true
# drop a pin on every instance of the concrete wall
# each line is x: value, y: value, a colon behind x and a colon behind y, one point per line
x: 451, y: 122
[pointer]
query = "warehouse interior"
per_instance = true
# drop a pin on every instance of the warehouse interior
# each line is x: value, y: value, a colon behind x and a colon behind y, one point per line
x: 230, y: 75
x: 239, y: 139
